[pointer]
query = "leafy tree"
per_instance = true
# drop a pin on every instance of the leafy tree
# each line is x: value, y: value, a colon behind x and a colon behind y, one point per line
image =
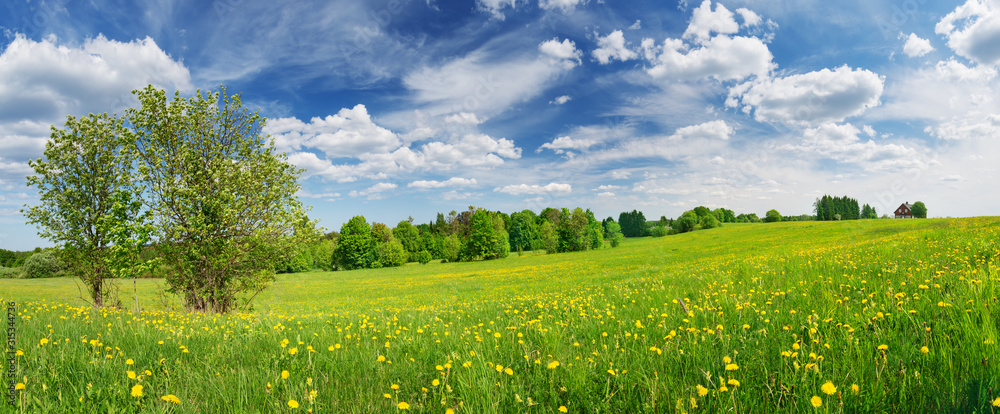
x: 44, y: 264
x: 633, y: 223
x: 687, y: 221
x: 919, y: 210
x: 868, y: 212
x: 85, y: 164
x: 391, y: 253
x: 356, y: 247
x: 550, y: 239
x: 772, y: 216
x: 423, y: 257
x: 702, y: 211
x: 709, y: 222
x: 128, y: 231
x: 614, y: 233
x: 223, y: 196
x: 658, y: 231
x: 523, y: 231
x: 408, y: 236
x: 451, y: 246
x: 487, y: 238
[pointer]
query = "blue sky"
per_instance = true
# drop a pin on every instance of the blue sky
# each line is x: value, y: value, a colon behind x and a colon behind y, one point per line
x: 409, y: 108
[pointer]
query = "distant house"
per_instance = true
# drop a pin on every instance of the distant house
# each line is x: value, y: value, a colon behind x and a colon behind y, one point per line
x: 904, y: 211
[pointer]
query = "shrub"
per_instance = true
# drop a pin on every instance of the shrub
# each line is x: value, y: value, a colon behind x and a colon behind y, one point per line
x: 658, y: 231
x: 422, y: 256
x: 10, y: 272
x: 44, y: 264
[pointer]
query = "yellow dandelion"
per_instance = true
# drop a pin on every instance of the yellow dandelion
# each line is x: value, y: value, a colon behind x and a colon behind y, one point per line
x: 553, y: 364
x: 702, y: 391
x: 723, y: 388
x: 508, y: 371
x: 435, y: 382
x: 170, y: 398
x: 19, y: 386
x: 883, y: 347
x: 44, y: 341
x: 855, y: 388
x: 924, y: 349
x: 733, y: 382
x: 829, y: 388
x: 387, y: 396
x: 732, y: 367
x: 562, y: 409
x: 745, y: 327
x: 403, y: 405
x: 284, y: 374
x: 612, y: 372
x: 395, y: 387
x: 816, y: 401
x: 726, y: 360
x: 330, y: 348
x: 381, y: 358
x: 131, y: 375
x: 293, y: 404
x: 996, y: 402
x: 18, y: 353
x: 449, y: 411
x: 137, y: 391
x: 293, y: 351
x: 129, y: 361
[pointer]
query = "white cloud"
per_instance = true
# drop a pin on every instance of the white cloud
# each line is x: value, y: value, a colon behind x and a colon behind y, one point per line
x: 563, y: 53
x: 561, y: 144
x: 608, y: 187
x: 704, y: 22
x: 495, y: 7
x: 811, y: 98
x: 710, y: 130
x: 606, y: 194
x: 348, y: 134
x: 749, y: 17
x: 916, y: 47
x: 374, y: 192
x: 620, y: 174
x: 456, y: 195
x: 722, y: 58
x: 561, y: 100
x: 463, y: 118
x: 451, y: 182
x: 520, y: 189
x: 636, y: 26
x: 841, y: 143
x: 972, y: 30
x: 611, y: 47
x: 971, y: 126
x: 868, y: 130
x: 564, y: 5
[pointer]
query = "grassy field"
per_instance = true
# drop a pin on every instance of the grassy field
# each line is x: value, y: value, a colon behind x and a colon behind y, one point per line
x: 862, y: 316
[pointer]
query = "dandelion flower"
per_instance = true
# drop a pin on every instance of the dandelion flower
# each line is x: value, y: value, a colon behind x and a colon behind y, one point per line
x: 435, y: 382
x: 924, y: 349
x: 19, y: 386
x: 395, y: 387
x: 855, y: 388
x: 170, y: 398
x: 816, y: 401
x: 381, y: 358
x: 732, y: 367
x: 449, y: 411
x: 508, y: 371
x: 137, y: 391
x: 702, y: 391
x: 733, y: 382
x: 403, y: 405
x: 387, y: 396
x: 18, y: 353
x: 129, y: 361
x: 284, y: 374
x: 44, y: 341
x: 293, y: 404
x: 829, y: 388
x: 883, y: 347
x: 996, y: 402
x: 562, y: 409
x: 330, y: 348
x: 131, y: 375
x: 293, y: 351
x: 553, y: 364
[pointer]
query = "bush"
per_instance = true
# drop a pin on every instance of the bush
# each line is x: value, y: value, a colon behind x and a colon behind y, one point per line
x: 390, y: 254
x: 658, y: 231
x: 44, y: 264
x: 422, y: 256
x: 10, y: 272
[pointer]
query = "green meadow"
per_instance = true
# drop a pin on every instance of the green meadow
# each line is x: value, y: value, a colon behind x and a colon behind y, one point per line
x: 854, y: 316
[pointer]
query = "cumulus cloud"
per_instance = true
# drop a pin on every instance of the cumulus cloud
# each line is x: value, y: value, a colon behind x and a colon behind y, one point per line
x: 562, y: 53
x: 374, y: 192
x: 972, y: 30
x: 520, y: 189
x: 564, y: 5
x: 495, y: 7
x: 348, y: 134
x: 561, y: 144
x: 968, y: 127
x: 749, y: 17
x: 612, y: 47
x: 451, y: 182
x: 840, y: 142
x: 710, y: 130
x: 561, y: 100
x: 705, y: 21
x: 916, y: 47
x: 722, y: 58
x: 811, y: 98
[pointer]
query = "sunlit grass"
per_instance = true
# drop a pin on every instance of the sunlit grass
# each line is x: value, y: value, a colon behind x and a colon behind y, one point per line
x: 862, y: 316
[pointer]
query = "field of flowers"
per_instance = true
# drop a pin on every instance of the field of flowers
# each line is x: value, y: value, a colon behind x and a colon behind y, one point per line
x: 860, y: 316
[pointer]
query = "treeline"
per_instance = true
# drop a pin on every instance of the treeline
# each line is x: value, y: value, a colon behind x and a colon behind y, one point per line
x: 841, y: 208
x: 475, y: 234
x: 10, y: 258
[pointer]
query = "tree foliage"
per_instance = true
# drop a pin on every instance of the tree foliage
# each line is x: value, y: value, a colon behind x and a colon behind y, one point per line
x: 223, y: 197
x: 633, y: 223
x: 41, y: 265
x: 85, y: 164
x: 772, y: 216
x: 613, y: 232
x: 837, y: 208
x: 919, y: 210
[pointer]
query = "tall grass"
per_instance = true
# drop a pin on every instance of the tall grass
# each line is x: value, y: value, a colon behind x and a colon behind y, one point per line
x: 896, y: 315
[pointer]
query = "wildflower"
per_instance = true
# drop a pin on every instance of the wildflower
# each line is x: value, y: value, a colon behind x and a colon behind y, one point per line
x: 924, y: 349
x: 726, y: 360
x: 733, y: 382
x: 612, y: 372
x: 129, y: 361
x: 723, y: 389
x: 702, y: 391
x: 562, y: 409
x: 330, y: 348
x: 883, y: 347
x: 449, y: 411
x: 284, y: 374
x: 293, y: 351
x: 131, y: 375
x: 19, y: 386
x: 137, y: 391
x: 381, y: 358
x: 732, y: 367
x: 18, y: 353
x: 170, y: 398
x: 829, y: 388
x: 44, y: 341
x: 439, y: 368
x: 745, y: 327
x: 553, y: 364
x: 855, y: 388
x: 508, y: 371
x: 403, y: 405
x: 816, y: 401
x: 395, y: 387
x: 435, y: 382
x: 996, y: 402
x: 387, y: 396
x: 293, y: 404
